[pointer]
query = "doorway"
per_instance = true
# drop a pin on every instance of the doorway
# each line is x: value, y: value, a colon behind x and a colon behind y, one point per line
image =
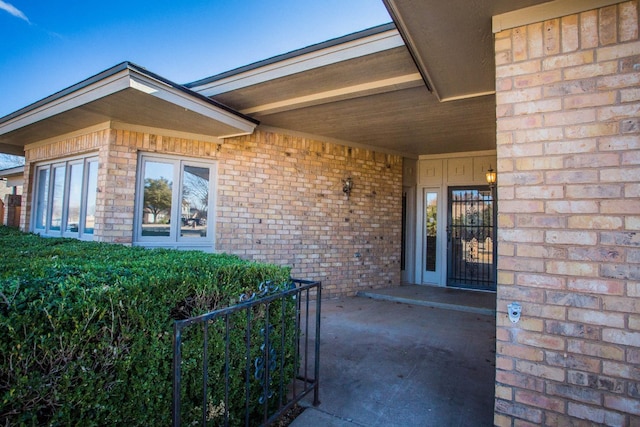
x: 471, y: 250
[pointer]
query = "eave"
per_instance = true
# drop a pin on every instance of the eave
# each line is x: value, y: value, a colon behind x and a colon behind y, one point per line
x: 125, y: 93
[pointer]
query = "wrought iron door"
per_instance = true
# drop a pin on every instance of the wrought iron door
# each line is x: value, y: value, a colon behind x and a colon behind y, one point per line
x: 471, y: 238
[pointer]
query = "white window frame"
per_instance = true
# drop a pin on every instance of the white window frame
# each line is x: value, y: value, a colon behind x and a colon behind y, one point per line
x: 175, y: 240
x: 48, y: 229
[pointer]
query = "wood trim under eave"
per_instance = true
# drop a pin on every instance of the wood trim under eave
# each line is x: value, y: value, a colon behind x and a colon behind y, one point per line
x: 545, y: 11
x: 76, y: 133
x: 116, y: 125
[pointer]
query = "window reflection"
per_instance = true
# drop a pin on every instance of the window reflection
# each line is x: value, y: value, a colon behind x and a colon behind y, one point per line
x: 157, y: 199
x: 58, y: 195
x: 432, y: 230
x: 195, y: 202
x: 92, y: 190
x: 75, y: 198
x: 42, y: 198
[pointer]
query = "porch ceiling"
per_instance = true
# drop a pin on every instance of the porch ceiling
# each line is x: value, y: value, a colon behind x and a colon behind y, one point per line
x: 125, y: 93
x: 430, y: 91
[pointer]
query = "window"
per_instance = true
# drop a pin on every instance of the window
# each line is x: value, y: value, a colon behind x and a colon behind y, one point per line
x: 174, y: 202
x: 65, y: 198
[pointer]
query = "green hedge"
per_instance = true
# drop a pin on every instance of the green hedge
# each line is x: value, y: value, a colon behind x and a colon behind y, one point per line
x: 86, y: 329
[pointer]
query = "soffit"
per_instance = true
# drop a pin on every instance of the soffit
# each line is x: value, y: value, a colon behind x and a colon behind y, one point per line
x: 410, y: 122
x: 124, y: 93
x: 375, y: 97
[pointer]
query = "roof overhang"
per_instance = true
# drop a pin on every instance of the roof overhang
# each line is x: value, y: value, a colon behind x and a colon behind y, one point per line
x: 13, y: 176
x: 125, y: 93
x: 452, y: 41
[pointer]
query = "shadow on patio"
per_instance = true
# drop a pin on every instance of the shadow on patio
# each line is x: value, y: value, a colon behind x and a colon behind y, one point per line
x: 384, y: 362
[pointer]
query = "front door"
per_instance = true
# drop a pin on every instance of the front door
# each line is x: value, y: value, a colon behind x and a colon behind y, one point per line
x: 470, y: 238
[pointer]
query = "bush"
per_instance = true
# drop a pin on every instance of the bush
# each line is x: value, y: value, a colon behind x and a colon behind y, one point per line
x: 86, y: 328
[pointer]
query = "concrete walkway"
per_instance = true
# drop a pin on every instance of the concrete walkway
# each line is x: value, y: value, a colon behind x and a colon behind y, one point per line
x: 384, y: 362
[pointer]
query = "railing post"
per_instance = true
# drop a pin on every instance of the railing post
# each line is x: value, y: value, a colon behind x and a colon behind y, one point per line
x: 316, y: 384
x: 269, y: 359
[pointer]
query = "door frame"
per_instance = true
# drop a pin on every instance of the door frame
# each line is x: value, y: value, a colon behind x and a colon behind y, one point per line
x: 438, y: 277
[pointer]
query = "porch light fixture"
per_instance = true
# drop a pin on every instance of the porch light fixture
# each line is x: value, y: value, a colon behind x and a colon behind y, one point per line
x: 347, y: 186
x: 491, y: 176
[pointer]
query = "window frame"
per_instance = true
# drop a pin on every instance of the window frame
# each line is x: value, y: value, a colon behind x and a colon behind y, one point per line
x: 46, y: 213
x: 175, y: 239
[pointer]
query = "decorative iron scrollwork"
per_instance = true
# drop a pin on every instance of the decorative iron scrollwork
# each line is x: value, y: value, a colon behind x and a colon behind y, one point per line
x: 259, y: 365
x: 266, y: 288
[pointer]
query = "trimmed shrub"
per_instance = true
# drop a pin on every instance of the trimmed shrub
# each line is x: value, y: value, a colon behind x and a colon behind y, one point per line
x: 86, y: 328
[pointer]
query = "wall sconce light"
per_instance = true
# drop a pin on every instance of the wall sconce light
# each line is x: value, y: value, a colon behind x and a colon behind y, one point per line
x: 347, y: 186
x: 491, y: 176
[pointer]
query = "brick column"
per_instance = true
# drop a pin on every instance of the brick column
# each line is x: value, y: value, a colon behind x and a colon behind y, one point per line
x: 568, y: 145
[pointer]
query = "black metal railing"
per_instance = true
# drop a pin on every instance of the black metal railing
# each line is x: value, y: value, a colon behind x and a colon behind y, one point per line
x: 263, y: 342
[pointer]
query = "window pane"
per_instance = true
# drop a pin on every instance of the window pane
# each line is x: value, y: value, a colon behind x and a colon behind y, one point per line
x: 58, y: 196
x: 431, y: 226
x: 156, y: 212
x: 75, y: 197
x: 42, y: 198
x: 92, y: 193
x: 195, y: 201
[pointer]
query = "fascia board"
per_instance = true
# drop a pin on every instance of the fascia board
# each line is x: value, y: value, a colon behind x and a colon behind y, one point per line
x: 169, y: 94
x: 350, y: 50
x: 105, y: 87
x: 122, y: 80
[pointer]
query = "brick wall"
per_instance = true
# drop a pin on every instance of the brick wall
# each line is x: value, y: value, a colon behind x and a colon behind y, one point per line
x: 568, y: 144
x: 279, y: 200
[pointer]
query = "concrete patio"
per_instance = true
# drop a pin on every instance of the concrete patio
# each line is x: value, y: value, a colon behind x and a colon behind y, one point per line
x: 409, y: 356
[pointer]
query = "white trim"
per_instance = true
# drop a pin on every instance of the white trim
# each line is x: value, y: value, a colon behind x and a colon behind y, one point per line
x: 348, y: 92
x: 545, y: 11
x: 167, y: 93
x: 107, y: 86
x: 129, y: 79
x: 350, y: 50
x: 51, y: 165
x: 174, y: 239
x: 468, y: 96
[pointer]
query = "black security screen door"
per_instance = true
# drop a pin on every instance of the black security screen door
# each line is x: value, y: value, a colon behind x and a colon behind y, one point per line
x: 471, y: 237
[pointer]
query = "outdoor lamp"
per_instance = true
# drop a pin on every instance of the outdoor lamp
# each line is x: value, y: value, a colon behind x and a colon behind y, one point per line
x: 347, y: 186
x: 491, y: 176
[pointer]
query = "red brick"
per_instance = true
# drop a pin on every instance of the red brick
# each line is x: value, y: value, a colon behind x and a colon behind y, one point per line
x: 520, y: 352
x: 581, y: 394
x: 595, y: 414
x: 535, y: 40
x: 571, y: 299
x: 608, y: 25
x: 628, y: 25
x: 621, y: 370
x: 577, y: 330
x: 541, y: 340
x: 623, y: 404
x: 589, y: 29
x: 622, y: 337
x: 519, y: 410
x: 595, y: 381
x: 595, y: 349
x: 573, y: 361
x: 540, y: 370
x: 538, y: 400
x: 570, y: 33
x: 602, y: 318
